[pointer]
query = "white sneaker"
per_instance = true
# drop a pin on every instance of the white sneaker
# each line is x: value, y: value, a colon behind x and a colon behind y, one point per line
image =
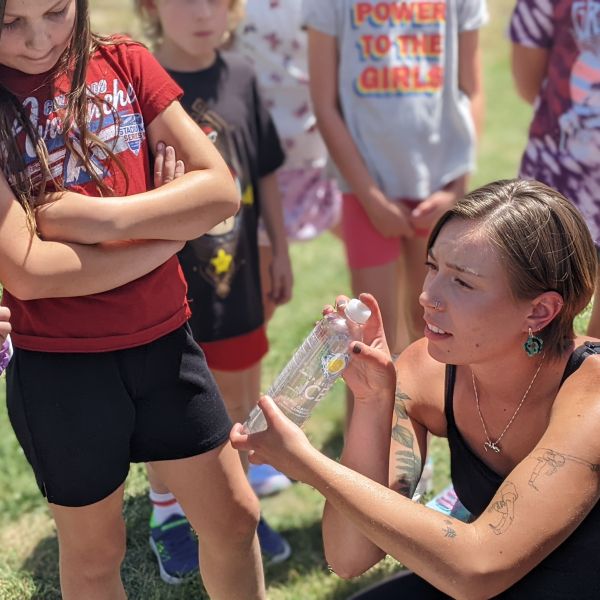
x: 265, y: 480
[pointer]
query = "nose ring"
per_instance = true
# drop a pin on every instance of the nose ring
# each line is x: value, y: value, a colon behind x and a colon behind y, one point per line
x: 436, y: 305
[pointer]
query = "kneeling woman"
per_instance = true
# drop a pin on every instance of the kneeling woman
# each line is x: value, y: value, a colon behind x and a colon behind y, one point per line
x: 502, y: 375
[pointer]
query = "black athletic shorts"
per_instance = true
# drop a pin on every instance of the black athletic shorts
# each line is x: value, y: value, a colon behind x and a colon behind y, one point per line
x: 82, y: 418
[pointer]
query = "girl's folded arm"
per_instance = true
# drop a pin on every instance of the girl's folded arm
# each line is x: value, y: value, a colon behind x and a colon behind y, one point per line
x: 31, y: 268
x: 183, y: 209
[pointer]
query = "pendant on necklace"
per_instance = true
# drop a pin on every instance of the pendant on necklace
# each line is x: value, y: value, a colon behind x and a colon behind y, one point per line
x: 491, y: 446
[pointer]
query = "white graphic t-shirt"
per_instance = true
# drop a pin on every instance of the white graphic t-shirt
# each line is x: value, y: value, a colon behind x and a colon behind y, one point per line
x: 398, y: 87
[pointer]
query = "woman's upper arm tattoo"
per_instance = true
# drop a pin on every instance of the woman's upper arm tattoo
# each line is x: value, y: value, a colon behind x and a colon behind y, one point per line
x: 407, y: 465
x: 549, y: 462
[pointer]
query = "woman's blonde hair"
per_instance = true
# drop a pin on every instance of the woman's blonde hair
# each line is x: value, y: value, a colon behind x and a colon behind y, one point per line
x: 153, y: 30
x: 543, y: 243
x: 14, y: 118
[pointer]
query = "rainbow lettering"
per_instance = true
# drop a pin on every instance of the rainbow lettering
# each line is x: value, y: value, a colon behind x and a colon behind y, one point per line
x: 392, y: 14
x: 399, y: 81
x: 410, y: 45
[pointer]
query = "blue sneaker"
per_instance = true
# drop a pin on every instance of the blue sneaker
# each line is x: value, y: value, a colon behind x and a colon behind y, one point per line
x: 176, y: 548
x: 266, y: 480
x: 274, y: 547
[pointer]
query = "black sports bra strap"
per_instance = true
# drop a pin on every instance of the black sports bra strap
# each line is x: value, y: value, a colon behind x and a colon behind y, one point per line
x: 578, y: 356
x: 450, y: 380
x: 574, y: 362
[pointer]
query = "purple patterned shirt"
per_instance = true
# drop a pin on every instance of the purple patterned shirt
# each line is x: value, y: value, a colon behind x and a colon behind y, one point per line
x: 563, y: 149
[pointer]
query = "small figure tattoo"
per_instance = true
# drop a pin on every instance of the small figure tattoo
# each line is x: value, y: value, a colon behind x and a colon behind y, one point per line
x: 549, y: 462
x: 505, y: 507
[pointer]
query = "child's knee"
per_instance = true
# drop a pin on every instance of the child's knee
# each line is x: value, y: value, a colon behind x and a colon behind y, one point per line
x: 95, y: 558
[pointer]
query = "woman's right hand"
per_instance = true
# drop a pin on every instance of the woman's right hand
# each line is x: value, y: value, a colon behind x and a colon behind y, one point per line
x: 282, y: 445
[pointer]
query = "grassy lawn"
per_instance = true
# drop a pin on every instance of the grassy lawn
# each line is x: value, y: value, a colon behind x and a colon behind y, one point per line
x: 28, y: 546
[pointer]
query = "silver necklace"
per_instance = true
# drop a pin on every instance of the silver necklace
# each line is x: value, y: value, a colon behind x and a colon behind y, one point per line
x: 489, y: 444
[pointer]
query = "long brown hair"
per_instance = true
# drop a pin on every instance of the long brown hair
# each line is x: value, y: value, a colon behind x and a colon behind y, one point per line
x: 543, y: 243
x: 74, y: 63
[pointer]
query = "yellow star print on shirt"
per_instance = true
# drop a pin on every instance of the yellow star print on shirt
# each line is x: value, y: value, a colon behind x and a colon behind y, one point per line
x: 221, y: 262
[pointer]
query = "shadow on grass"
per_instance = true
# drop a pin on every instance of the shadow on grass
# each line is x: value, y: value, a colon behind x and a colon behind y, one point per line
x: 140, y: 573
x: 42, y: 565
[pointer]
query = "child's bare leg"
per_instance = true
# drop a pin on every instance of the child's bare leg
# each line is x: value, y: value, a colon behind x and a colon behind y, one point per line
x: 381, y: 281
x: 155, y: 483
x: 240, y: 391
x: 411, y: 285
x: 91, y: 542
x: 265, y: 254
x: 402, y: 339
x: 222, y: 508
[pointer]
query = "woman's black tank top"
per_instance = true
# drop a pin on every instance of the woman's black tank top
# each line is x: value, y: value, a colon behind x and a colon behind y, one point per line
x: 573, y: 570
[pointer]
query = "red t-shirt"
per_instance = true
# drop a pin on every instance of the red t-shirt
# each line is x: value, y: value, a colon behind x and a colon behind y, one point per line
x: 128, y: 78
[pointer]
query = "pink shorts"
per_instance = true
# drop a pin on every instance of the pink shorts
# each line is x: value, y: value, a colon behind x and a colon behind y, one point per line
x: 365, y: 246
x: 237, y: 353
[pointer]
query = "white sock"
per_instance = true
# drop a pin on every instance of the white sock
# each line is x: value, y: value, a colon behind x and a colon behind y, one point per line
x: 163, y: 507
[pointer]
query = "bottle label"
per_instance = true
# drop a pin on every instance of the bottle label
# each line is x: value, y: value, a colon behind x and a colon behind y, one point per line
x: 334, y: 364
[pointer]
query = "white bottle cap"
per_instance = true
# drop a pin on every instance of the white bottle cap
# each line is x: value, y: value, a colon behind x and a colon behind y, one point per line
x: 357, y: 311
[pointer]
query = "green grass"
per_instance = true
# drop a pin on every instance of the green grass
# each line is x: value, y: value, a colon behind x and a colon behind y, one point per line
x: 28, y: 546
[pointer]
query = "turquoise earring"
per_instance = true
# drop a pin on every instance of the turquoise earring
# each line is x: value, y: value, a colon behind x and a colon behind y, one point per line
x: 533, y: 345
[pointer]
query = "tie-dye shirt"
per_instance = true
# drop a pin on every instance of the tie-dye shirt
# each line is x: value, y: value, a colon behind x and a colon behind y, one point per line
x: 563, y: 149
x: 398, y: 87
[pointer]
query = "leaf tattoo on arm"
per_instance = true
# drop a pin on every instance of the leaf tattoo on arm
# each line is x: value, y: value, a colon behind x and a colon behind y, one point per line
x: 448, y: 530
x: 407, y: 464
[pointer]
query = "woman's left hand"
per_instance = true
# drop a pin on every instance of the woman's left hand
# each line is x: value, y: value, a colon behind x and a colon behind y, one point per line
x: 371, y: 370
x: 282, y: 445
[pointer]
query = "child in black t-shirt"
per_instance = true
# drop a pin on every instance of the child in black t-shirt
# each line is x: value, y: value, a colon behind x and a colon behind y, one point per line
x: 222, y: 267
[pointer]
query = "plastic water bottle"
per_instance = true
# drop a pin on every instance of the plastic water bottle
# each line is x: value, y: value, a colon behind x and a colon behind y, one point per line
x: 314, y: 367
